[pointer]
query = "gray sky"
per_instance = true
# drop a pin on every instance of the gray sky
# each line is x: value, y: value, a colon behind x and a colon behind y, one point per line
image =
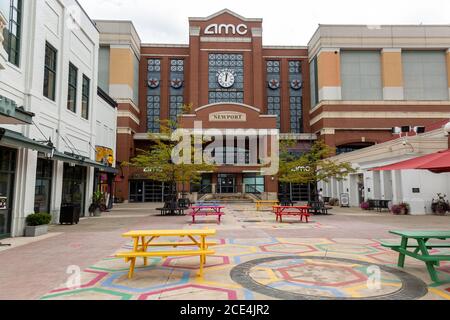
x: 286, y: 22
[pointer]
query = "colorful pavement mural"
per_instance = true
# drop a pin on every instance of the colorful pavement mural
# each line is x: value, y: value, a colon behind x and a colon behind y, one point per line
x: 254, y: 269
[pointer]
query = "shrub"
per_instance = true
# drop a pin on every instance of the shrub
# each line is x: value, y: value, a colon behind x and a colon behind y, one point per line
x: 401, y: 209
x: 38, y: 219
x: 334, y: 202
x: 365, y: 206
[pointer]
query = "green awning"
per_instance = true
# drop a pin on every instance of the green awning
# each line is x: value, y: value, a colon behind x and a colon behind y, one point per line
x: 81, y: 161
x: 11, y: 114
x: 16, y: 139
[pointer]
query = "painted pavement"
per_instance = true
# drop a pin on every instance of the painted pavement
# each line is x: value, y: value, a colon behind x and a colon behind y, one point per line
x: 265, y: 268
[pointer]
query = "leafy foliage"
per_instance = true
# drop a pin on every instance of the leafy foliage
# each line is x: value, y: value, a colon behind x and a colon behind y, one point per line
x: 38, y: 219
x: 313, y: 166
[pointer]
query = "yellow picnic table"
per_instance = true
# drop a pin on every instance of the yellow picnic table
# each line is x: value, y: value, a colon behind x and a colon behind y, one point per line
x: 143, y: 239
x: 266, y: 203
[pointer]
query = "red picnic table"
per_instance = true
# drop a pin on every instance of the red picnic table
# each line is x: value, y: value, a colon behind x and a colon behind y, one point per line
x: 206, y: 211
x: 301, y: 211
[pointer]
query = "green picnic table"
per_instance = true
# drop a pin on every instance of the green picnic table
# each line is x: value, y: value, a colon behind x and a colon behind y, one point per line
x: 421, y: 249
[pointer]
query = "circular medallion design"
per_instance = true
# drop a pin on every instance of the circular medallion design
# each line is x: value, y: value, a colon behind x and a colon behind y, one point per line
x: 226, y: 78
x: 176, y: 83
x: 274, y: 84
x: 153, y: 83
x: 296, y: 84
x: 319, y: 278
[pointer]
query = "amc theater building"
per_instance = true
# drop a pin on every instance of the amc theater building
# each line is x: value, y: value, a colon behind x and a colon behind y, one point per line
x: 349, y: 86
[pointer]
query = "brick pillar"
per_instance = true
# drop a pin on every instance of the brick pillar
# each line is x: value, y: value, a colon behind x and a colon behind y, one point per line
x: 258, y: 80
x: 194, y: 66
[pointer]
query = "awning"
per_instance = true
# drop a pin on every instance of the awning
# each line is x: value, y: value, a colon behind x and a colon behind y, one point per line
x: 436, y: 162
x: 11, y: 114
x: 17, y: 139
x: 82, y: 161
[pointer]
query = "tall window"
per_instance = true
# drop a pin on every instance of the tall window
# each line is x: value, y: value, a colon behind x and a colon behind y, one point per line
x: 425, y: 74
x: 296, y: 96
x: 12, y: 34
x: 226, y: 78
x: 273, y: 70
x: 176, y: 88
x: 361, y: 75
x: 85, y: 97
x: 314, y: 79
x: 50, y: 72
x: 72, y: 91
x: 153, y: 95
x: 44, y: 174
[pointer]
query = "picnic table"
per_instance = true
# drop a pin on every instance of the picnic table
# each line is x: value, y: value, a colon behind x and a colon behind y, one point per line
x: 144, y: 239
x: 421, y: 249
x: 207, y: 210
x: 266, y: 203
x: 301, y: 211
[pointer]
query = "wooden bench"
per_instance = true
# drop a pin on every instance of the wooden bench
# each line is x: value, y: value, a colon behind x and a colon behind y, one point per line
x: 205, y: 211
x: 132, y: 256
x: 421, y: 250
x: 142, y: 240
x: 171, y: 208
x: 295, y: 211
x: 266, y: 203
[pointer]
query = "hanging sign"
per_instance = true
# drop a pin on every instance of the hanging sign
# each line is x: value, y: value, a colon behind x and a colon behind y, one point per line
x: 3, y: 201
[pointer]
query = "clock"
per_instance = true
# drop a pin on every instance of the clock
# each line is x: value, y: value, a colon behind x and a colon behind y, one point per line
x: 226, y: 78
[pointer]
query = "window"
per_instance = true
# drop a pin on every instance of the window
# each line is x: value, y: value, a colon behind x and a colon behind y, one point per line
x: 72, y: 91
x: 273, y: 70
x: 176, y: 89
x: 232, y: 91
x: 12, y: 34
x: 85, y: 97
x: 50, y: 72
x: 153, y: 95
x: 44, y: 175
x: 296, y: 96
x: 425, y: 75
x: 103, y: 68
x: 314, y: 82
x: 361, y: 75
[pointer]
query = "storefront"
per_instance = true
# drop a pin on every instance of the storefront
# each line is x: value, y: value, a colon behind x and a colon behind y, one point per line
x: 43, y: 188
x: 7, y: 178
x: 74, y: 189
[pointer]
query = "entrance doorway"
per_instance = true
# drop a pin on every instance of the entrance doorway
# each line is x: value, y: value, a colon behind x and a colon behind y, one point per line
x: 7, y: 175
x: 227, y: 183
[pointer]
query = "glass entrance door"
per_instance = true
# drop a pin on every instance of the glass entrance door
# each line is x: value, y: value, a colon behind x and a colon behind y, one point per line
x: 7, y: 174
x: 227, y: 183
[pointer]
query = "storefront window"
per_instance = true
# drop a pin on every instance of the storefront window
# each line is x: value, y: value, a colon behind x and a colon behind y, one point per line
x: 44, y: 174
x: 74, y: 187
x: 7, y: 174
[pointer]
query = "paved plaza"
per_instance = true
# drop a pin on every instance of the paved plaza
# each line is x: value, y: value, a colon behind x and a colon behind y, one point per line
x: 256, y: 258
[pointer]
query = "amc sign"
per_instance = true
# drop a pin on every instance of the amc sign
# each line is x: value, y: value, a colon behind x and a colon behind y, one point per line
x: 227, y: 117
x: 221, y: 29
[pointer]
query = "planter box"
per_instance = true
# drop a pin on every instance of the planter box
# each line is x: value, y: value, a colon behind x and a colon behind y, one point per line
x: 36, y: 231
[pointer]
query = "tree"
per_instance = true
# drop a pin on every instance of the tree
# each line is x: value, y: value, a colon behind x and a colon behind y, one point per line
x: 157, y: 164
x: 312, y: 167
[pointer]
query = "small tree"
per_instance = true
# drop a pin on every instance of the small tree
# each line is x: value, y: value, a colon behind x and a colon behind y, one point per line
x: 157, y: 164
x: 312, y: 167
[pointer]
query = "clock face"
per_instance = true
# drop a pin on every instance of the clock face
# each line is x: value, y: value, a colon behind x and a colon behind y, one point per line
x: 226, y: 78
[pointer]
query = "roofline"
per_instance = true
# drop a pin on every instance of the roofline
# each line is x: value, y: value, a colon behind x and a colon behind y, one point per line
x: 120, y: 21
x: 225, y: 11
x: 165, y: 45
x: 89, y: 18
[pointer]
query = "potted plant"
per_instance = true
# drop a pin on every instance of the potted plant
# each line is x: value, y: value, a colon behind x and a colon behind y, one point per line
x: 97, y: 204
x: 401, y: 209
x: 365, y: 205
x: 440, y: 205
x: 37, y: 224
x: 334, y: 202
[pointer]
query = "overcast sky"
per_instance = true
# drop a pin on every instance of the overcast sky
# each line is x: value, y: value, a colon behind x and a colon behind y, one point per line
x: 286, y: 22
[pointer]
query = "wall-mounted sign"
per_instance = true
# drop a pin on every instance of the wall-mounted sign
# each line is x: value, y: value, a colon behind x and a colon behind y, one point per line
x: 3, y: 201
x: 104, y: 155
x: 227, y: 116
x: 226, y: 29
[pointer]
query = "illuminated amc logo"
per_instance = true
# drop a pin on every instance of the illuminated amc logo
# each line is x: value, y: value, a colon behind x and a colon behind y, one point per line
x: 215, y: 29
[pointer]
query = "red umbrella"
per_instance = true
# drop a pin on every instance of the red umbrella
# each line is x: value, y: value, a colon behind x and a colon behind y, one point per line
x: 436, y: 162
